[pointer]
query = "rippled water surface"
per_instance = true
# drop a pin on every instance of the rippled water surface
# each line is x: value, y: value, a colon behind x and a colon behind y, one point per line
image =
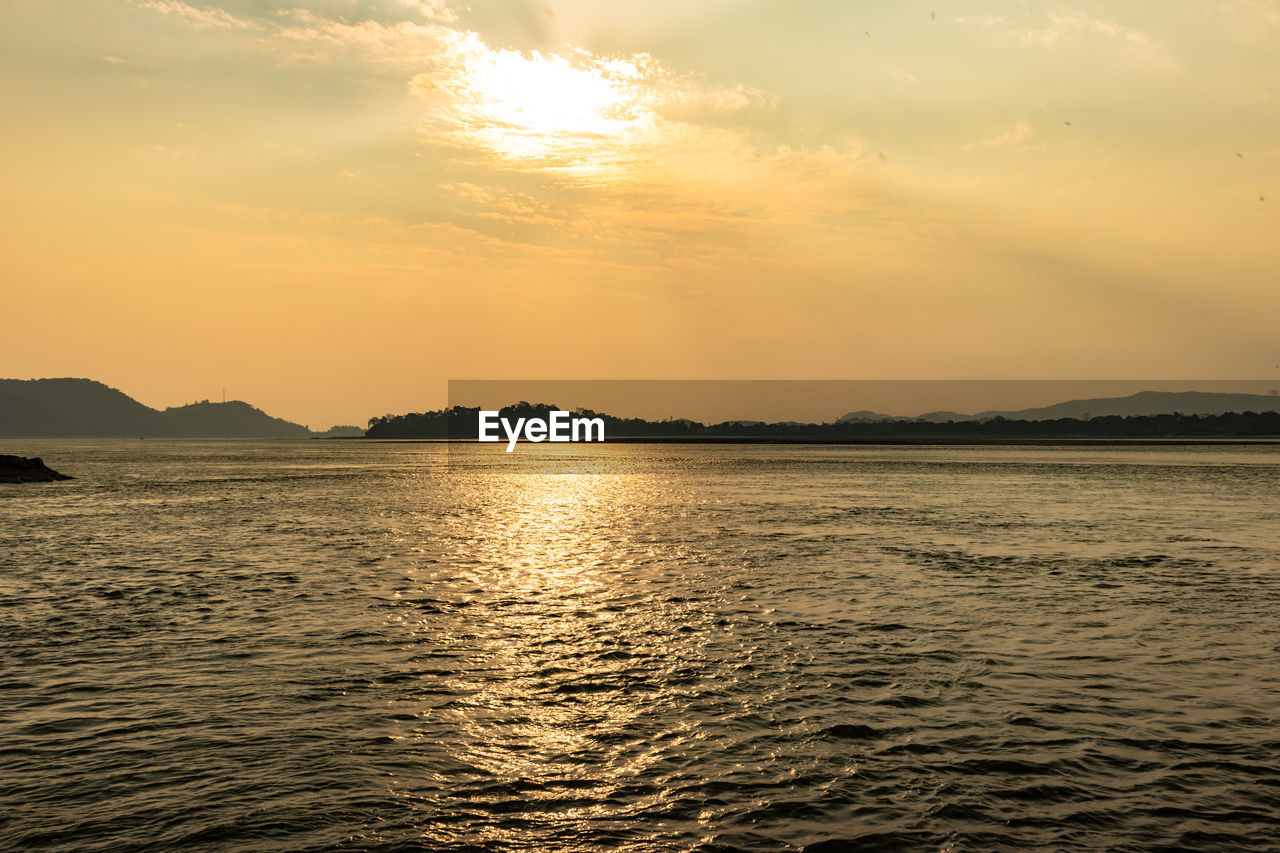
x: 212, y: 646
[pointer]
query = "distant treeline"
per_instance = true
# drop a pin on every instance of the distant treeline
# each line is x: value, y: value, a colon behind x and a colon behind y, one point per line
x: 460, y: 422
x: 463, y: 422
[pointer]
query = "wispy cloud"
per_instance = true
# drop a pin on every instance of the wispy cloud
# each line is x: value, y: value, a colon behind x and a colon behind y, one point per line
x: 1065, y: 25
x: 198, y: 16
x: 1265, y: 12
x: 981, y: 20
x: 577, y: 113
x: 432, y: 10
x: 1017, y: 136
x: 307, y: 36
x: 625, y: 150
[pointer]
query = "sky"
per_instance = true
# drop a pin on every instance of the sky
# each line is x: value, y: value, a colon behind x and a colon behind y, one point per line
x: 330, y: 208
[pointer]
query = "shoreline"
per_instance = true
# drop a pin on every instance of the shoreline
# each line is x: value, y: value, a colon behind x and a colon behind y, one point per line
x: 1263, y: 441
x: 726, y: 440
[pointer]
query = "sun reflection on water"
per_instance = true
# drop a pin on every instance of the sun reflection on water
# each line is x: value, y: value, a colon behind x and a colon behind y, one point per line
x: 555, y: 688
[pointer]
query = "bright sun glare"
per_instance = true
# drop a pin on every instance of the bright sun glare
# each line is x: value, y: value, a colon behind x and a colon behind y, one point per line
x: 567, y: 112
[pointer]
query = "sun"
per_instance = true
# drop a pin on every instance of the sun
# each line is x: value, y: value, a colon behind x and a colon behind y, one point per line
x: 575, y: 111
x: 548, y: 96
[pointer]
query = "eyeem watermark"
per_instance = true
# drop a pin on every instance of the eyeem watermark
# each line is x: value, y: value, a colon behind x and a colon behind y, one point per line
x: 558, y: 426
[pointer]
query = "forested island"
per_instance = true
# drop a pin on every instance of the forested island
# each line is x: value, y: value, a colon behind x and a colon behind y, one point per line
x: 460, y: 422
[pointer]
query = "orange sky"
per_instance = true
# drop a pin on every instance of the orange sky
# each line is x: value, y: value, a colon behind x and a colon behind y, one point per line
x: 330, y: 208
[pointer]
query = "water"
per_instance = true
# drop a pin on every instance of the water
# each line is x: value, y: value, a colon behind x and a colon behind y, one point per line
x: 213, y: 646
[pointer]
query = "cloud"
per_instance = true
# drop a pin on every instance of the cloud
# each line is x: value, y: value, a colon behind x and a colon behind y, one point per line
x: 981, y: 20
x: 1062, y: 26
x: 573, y: 111
x: 312, y: 37
x: 1254, y: 11
x: 300, y: 34
x: 1015, y: 137
x: 210, y: 18
x: 576, y: 113
x: 432, y: 10
x: 624, y: 150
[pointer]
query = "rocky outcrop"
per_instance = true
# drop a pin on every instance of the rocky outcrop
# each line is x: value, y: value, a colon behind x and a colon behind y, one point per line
x: 17, y: 469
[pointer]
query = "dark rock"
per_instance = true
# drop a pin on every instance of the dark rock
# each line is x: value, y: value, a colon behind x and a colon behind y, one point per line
x: 17, y: 469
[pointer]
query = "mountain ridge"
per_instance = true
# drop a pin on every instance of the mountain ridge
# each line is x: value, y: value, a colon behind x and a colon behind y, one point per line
x: 1139, y: 404
x: 85, y: 408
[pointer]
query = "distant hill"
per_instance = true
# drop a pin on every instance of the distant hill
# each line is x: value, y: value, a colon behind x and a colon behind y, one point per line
x: 867, y: 417
x: 83, y: 408
x: 1141, y: 404
x: 461, y: 423
x: 1145, y: 403
x: 233, y: 419
x: 341, y: 432
x: 942, y: 417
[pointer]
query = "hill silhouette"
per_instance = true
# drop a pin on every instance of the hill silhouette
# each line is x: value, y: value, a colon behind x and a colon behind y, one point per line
x: 232, y: 419
x: 341, y: 431
x: 1142, y: 403
x: 1145, y: 403
x: 461, y: 422
x: 84, y: 408
x: 73, y: 408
